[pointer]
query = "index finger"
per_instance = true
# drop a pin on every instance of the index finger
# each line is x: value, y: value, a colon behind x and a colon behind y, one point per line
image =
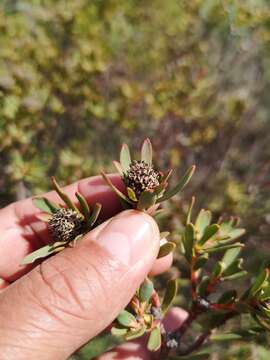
x: 22, y: 232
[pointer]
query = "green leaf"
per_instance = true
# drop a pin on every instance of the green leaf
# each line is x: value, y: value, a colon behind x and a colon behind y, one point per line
x: 118, y: 331
x: 166, y: 249
x: 98, y: 346
x: 154, y: 341
x: 146, y: 152
x: 225, y: 337
x: 134, y: 334
x: 188, y: 241
x: 63, y: 196
x: 189, y: 214
x: 180, y: 186
x: 146, y: 200
x: 217, y: 270
x: 164, y: 234
x: 203, y: 286
x: 95, y: 214
x: 236, y: 233
x: 259, y: 282
x: 230, y: 256
x: 170, y: 294
x: 203, y: 221
x: 125, y: 158
x: 201, y: 261
x: 131, y: 194
x: 114, y: 188
x: 215, y: 249
x: 45, y: 205
x: 118, y: 167
x: 146, y: 290
x: 84, y: 205
x: 209, y: 232
x: 125, y: 318
x: 44, y: 252
x: 235, y: 276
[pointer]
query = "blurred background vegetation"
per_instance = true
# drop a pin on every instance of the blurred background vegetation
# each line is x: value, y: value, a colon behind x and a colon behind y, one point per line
x: 78, y: 78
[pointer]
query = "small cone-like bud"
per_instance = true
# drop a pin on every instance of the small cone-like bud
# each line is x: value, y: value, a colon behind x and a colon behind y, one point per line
x: 65, y: 225
x: 141, y: 177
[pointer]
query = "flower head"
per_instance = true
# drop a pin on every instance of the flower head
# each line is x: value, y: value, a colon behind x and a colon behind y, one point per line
x: 66, y: 225
x: 141, y: 177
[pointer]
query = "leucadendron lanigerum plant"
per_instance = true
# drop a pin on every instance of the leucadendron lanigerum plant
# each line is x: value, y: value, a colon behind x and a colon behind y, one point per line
x: 213, y: 297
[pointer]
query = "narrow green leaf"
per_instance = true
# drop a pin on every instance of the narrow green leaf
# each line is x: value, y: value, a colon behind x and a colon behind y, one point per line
x: 180, y: 186
x: 125, y: 158
x: 45, y: 205
x: 43, y: 252
x: 203, y: 221
x: 235, y: 276
x: 154, y: 341
x: 259, y: 282
x: 230, y: 256
x: 215, y: 249
x: 146, y: 152
x: 118, y: 167
x: 188, y: 241
x: 189, y: 214
x: 131, y: 194
x: 84, y: 205
x: 209, y: 232
x: 164, y: 234
x: 114, y: 188
x: 146, y: 290
x: 146, y: 200
x: 95, y: 214
x: 134, y: 334
x: 97, y: 346
x: 236, y: 233
x: 201, y: 261
x: 203, y: 286
x: 217, y: 270
x: 166, y: 249
x: 125, y: 318
x: 118, y: 331
x: 170, y: 294
x: 225, y: 337
x: 63, y: 196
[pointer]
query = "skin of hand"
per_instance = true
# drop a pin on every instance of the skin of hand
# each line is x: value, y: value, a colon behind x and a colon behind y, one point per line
x: 49, y: 310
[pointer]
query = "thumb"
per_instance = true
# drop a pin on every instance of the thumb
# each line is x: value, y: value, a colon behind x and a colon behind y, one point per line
x: 71, y: 297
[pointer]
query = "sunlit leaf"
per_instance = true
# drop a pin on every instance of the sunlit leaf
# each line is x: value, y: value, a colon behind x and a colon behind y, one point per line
x: 146, y: 290
x: 45, y: 205
x: 125, y: 318
x: 166, y: 249
x: 209, y: 232
x: 125, y: 158
x: 146, y: 152
x: 154, y: 341
x: 170, y: 294
x: 259, y: 282
x: 180, y: 186
x: 146, y: 200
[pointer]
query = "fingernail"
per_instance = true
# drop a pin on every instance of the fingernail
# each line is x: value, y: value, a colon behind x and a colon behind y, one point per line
x: 130, y: 237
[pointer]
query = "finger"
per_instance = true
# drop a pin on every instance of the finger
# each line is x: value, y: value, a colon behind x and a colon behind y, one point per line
x: 74, y: 295
x: 3, y: 284
x: 137, y: 350
x: 161, y: 265
x: 22, y: 232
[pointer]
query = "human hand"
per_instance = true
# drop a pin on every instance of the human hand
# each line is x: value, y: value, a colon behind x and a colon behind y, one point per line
x: 60, y: 304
